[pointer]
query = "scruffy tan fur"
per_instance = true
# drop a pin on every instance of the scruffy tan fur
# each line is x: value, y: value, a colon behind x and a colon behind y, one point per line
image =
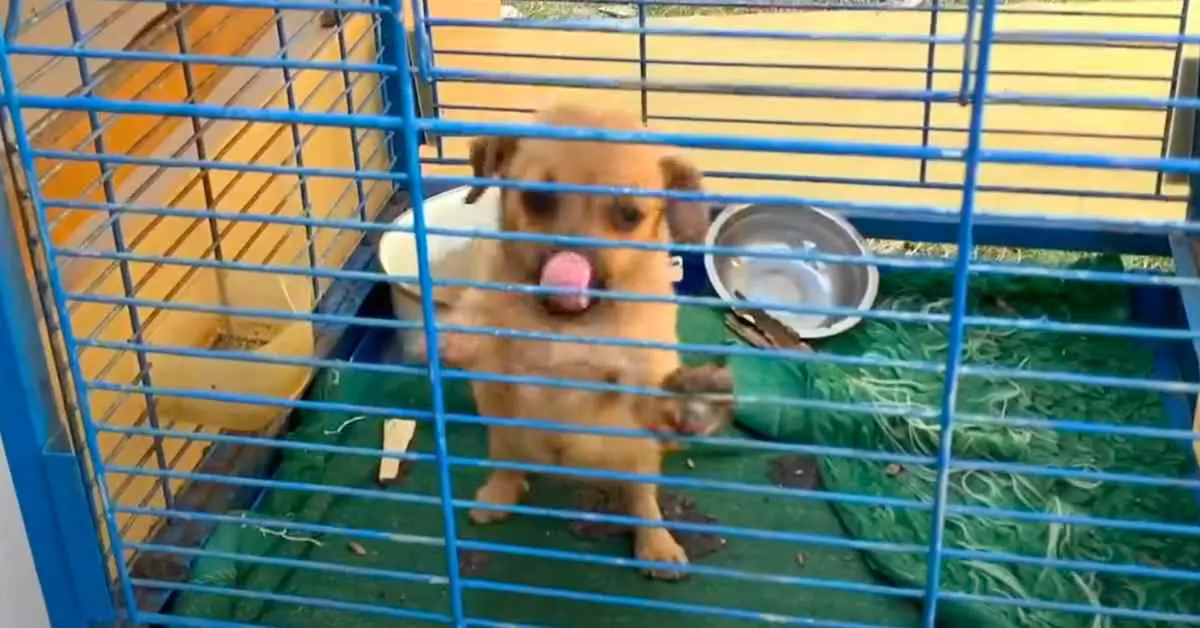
x: 621, y: 269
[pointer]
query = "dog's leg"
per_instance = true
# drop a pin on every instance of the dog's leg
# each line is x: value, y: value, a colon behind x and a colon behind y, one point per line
x: 704, y: 402
x: 458, y: 350
x: 503, y: 488
x: 652, y: 543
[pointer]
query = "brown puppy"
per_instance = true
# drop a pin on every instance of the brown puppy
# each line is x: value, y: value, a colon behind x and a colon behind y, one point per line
x: 575, y: 269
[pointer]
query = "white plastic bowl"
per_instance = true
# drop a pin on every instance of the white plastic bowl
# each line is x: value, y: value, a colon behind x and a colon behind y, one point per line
x: 450, y: 257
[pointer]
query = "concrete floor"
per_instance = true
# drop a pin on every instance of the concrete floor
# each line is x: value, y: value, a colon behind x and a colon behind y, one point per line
x: 21, y: 603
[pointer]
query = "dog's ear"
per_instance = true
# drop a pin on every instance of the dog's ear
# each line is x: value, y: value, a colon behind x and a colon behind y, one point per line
x: 488, y: 158
x: 688, y: 221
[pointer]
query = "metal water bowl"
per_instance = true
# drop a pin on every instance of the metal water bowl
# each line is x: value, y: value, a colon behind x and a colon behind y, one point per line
x: 797, y: 230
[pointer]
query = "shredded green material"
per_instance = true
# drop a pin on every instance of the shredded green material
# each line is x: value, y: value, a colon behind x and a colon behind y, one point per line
x: 901, y: 395
x: 990, y: 429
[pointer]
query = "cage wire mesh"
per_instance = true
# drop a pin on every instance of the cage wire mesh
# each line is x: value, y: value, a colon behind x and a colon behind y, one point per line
x: 240, y: 213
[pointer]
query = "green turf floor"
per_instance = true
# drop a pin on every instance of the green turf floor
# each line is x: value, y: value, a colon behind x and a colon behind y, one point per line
x: 788, y: 579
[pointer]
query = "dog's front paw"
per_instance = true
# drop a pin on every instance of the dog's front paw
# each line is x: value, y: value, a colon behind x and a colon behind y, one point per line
x: 415, y: 349
x: 656, y: 545
x: 459, y: 350
x: 503, y: 488
x: 704, y: 402
x: 454, y: 350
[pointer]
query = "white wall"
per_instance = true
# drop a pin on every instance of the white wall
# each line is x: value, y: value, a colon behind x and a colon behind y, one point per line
x: 21, y: 602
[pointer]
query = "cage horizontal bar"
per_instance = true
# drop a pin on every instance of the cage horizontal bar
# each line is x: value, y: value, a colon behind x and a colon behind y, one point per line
x: 531, y: 552
x: 1013, y: 37
x: 200, y: 59
x: 188, y: 143
x: 162, y: 619
x: 283, y: 598
x: 763, y: 144
x: 897, y: 261
x: 1144, y: 228
x: 281, y: 524
x: 894, y: 315
x: 757, y: 144
x: 457, y: 75
x: 673, y: 607
x: 928, y: 184
x: 783, y: 91
x: 82, y: 41
x: 34, y: 17
x: 1041, y: 36
x: 556, y: 513
x: 801, y: 5
x: 689, y: 568
x: 212, y: 164
x: 283, y: 5
x: 538, y: 424
x: 804, y: 356
x: 878, y: 209
x: 1021, y: 324
x: 251, y: 482
x: 597, y: 26
x: 778, y: 65
x: 906, y: 127
x: 254, y: 559
x: 558, y: 470
x: 1136, y: 525
x: 1082, y: 426
x: 389, y: 537
x: 1065, y: 607
x: 795, y: 355
x: 108, y: 105
x: 460, y: 375
x: 798, y: 402
x: 116, y: 209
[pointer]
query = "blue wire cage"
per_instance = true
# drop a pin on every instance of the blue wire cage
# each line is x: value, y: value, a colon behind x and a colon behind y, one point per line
x: 175, y: 169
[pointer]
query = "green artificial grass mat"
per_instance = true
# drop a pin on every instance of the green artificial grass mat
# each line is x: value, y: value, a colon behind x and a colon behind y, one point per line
x: 515, y: 585
x: 530, y: 532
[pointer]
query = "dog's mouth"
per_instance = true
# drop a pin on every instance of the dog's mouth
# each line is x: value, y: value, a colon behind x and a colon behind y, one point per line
x: 571, y: 274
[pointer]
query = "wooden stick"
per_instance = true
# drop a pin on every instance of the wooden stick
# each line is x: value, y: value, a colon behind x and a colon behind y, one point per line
x: 397, y: 436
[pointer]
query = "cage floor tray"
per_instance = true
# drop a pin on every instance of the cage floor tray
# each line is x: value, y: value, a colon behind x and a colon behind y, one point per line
x: 763, y: 578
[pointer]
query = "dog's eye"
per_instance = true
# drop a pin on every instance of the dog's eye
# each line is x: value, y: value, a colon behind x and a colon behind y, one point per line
x: 626, y: 216
x: 539, y: 202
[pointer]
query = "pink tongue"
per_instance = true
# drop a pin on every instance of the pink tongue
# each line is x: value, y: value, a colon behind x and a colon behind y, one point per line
x: 568, y: 271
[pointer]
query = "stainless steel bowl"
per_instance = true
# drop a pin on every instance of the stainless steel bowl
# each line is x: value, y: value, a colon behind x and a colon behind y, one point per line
x: 778, y: 229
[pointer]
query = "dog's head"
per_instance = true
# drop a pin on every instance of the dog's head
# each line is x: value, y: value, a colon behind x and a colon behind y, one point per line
x: 608, y: 217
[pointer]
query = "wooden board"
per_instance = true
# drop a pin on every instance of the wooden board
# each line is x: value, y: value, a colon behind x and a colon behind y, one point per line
x: 209, y: 30
x: 818, y: 118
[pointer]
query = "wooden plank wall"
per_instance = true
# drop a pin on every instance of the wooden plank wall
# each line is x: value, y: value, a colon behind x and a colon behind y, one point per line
x: 219, y: 31
x: 817, y: 118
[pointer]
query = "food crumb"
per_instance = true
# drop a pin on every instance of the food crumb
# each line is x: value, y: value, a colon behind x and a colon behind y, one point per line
x: 249, y: 337
x: 472, y: 563
x: 796, y: 472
